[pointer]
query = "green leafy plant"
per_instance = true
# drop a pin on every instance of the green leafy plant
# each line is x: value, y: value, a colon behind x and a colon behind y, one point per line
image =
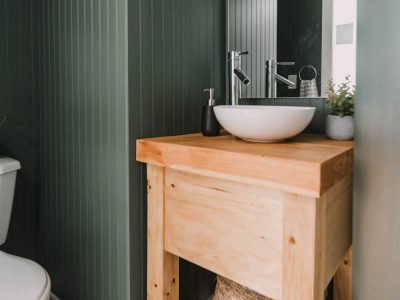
x: 341, y: 98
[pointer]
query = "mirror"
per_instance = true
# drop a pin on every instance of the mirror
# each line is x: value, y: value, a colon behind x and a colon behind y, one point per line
x: 318, y: 36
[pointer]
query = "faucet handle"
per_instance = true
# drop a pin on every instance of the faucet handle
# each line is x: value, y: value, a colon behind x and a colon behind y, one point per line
x: 244, y: 53
x: 291, y: 63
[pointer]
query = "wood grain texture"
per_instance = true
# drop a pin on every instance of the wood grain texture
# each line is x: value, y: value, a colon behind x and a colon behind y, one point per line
x: 338, y: 236
x: 308, y: 164
x: 229, y: 228
x: 276, y: 240
x: 163, y: 267
x: 303, y: 248
x: 342, y: 284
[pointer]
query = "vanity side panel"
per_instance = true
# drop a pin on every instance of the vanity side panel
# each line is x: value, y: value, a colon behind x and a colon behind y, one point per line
x: 339, y: 211
x: 162, y: 267
x: 342, y: 282
x: 303, y: 248
x: 334, y: 170
x: 230, y: 228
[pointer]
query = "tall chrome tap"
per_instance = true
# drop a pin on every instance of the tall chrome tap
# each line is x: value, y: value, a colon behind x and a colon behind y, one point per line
x: 273, y: 77
x: 235, y: 75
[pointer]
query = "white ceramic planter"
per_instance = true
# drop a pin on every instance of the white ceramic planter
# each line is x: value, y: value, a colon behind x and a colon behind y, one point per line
x: 339, y: 128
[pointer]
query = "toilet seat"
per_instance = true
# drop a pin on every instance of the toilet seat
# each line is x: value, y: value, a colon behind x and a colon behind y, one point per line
x: 22, y: 279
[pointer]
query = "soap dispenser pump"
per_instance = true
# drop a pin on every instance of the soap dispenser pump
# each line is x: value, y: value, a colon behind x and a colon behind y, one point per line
x: 209, y: 123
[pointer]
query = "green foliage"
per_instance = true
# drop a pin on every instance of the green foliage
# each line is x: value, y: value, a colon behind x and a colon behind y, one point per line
x: 341, y: 98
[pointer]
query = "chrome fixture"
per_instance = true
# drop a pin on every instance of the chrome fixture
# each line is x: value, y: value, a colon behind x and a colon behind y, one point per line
x: 236, y: 74
x: 273, y: 77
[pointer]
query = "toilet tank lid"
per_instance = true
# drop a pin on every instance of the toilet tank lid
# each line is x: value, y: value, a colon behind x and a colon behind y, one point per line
x: 8, y: 165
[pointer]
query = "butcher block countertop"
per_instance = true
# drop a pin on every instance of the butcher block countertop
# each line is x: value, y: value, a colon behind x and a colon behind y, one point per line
x: 308, y: 164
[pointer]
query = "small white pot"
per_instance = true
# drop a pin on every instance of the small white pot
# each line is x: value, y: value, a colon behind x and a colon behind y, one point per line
x: 339, y: 128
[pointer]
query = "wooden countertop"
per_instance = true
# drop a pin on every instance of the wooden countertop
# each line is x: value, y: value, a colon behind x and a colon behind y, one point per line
x: 308, y: 164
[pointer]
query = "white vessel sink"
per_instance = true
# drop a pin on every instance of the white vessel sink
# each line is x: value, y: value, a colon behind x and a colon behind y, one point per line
x: 268, y: 124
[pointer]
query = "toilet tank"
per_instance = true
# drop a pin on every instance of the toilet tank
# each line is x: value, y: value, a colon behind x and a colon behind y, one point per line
x: 8, y: 174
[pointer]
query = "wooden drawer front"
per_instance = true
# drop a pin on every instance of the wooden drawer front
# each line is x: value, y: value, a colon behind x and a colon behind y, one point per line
x: 212, y: 222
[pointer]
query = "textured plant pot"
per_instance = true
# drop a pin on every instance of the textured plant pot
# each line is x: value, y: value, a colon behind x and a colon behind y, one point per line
x: 339, y: 128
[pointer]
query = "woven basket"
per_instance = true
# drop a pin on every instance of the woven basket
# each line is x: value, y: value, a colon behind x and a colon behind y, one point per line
x: 229, y: 290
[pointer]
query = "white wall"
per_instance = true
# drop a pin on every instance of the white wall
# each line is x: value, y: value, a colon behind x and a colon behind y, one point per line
x: 344, y: 52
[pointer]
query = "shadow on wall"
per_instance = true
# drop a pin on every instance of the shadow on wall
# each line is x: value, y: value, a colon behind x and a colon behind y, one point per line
x: 17, y: 99
x: 21, y: 239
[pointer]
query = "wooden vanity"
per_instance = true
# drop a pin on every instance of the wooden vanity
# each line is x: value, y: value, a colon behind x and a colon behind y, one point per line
x: 276, y: 218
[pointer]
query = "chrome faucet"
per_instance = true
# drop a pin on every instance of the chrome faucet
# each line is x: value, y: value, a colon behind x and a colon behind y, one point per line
x: 273, y: 77
x: 236, y: 74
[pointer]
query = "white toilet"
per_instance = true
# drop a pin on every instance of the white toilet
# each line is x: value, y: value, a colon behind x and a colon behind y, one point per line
x: 20, y: 278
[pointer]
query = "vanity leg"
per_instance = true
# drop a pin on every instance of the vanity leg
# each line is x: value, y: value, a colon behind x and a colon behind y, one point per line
x: 303, y: 248
x: 343, y: 279
x: 162, y: 267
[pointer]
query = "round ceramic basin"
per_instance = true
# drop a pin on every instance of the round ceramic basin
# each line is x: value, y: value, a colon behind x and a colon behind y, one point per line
x: 268, y: 124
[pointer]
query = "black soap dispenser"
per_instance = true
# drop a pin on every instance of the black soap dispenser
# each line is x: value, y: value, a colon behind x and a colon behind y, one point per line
x: 209, y: 123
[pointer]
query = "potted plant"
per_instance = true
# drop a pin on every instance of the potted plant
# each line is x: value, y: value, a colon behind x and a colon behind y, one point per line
x: 340, y: 123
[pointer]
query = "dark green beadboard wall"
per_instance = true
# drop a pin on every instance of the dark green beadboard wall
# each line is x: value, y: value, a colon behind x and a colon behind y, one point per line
x: 66, y: 77
x: 82, y: 130
x: 17, y: 100
x: 176, y: 49
x: 252, y: 27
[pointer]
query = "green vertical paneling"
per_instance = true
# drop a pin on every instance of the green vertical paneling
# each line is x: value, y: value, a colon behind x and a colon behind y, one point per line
x: 17, y: 100
x: 64, y: 73
x: 376, y: 236
x: 285, y: 30
x: 252, y: 27
x: 82, y: 133
x: 176, y: 49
